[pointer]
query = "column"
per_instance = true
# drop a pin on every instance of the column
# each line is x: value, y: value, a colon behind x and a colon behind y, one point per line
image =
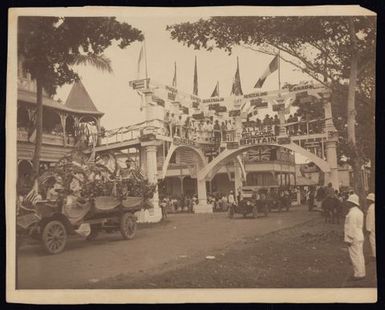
x: 181, y: 178
x: 329, y: 126
x: 155, y: 214
x: 63, y: 118
x: 237, y: 178
x: 331, y: 157
x: 99, y: 138
x: 282, y: 122
x: 151, y: 162
x: 238, y: 128
x: 203, y: 206
x: 331, y: 143
x: 153, y: 112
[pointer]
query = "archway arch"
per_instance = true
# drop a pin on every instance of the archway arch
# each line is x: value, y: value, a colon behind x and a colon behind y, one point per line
x: 173, y: 148
x: 230, y: 154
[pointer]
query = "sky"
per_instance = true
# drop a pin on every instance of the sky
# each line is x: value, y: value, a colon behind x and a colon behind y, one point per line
x: 113, y: 96
x: 111, y: 92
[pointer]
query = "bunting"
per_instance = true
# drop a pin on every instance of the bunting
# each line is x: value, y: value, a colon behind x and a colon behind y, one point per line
x: 237, y: 88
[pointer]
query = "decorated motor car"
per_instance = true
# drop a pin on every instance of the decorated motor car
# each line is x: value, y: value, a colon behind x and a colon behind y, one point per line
x: 84, y: 197
x: 251, y: 203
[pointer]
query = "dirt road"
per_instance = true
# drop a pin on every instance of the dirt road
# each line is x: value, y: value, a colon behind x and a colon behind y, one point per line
x: 183, y: 240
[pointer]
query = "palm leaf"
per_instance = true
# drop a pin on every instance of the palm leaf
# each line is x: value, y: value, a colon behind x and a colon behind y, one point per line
x: 100, y: 62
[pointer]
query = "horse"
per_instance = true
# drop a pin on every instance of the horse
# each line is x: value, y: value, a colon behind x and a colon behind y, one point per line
x: 332, y: 210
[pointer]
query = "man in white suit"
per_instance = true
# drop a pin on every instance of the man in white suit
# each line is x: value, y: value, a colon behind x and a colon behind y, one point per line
x: 354, y: 236
x: 370, y: 225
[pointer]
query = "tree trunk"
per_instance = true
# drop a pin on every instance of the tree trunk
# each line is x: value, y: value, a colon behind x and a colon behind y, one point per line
x: 39, y: 127
x: 351, y: 119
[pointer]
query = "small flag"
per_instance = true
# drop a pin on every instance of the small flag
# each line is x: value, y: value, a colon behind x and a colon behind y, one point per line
x: 213, y: 106
x: 237, y: 88
x: 234, y: 113
x: 273, y: 66
x: 158, y: 101
x: 195, y: 90
x: 198, y: 116
x: 32, y: 197
x: 220, y: 109
x: 216, y: 91
x: 171, y: 96
x: 174, y: 78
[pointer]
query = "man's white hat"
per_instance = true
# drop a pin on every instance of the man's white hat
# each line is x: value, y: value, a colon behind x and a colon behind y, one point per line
x: 371, y: 197
x: 353, y: 198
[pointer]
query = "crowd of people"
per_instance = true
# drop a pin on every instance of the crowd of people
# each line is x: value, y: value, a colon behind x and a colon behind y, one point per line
x: 297, y: 125
x: 200, y: 130
x: 219, y: 201
x: 219, y: 130
x: 178, y: 204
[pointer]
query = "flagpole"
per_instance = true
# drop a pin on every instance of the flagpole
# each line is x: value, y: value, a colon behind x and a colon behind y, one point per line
x: 175, y: 75
x: 279, y: 71
x: 145, y: 56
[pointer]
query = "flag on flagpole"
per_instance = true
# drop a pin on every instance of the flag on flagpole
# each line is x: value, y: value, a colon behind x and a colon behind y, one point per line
x: 195, y: 90
x: 273, y: 66
x: 174, y: 78
x: 216, y: 90
x: 140, y: 61
x: 237, y: 88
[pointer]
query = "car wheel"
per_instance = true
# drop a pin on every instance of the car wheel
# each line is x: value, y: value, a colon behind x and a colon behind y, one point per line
x: 54, y: 237
x: 128, y: 226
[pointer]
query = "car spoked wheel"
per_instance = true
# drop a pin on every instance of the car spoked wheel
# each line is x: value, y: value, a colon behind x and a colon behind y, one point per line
x: 54, y: 237
x: 128, y: 226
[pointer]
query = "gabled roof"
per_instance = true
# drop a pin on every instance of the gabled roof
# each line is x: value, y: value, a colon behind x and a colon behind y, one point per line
x: 30, y: 98
x: 79, y: 99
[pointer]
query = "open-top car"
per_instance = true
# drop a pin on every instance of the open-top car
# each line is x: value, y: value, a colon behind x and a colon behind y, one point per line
x: 250, y: 204
x: 82, y: 198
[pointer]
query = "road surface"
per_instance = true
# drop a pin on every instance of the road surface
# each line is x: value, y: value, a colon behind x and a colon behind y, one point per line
x: 181, y: 240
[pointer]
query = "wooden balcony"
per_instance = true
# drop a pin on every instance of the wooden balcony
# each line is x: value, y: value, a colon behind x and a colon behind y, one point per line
x: 48, y: 138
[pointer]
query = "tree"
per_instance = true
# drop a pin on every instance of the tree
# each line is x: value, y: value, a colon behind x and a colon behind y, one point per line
x: 49, y: 47
x: 331, y: 50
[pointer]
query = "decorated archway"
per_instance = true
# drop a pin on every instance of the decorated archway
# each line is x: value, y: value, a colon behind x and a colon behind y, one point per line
x: 230, y: 154
x: 202, y: 162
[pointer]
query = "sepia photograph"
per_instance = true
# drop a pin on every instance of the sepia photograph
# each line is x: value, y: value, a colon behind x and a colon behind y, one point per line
x: 220, y: 151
